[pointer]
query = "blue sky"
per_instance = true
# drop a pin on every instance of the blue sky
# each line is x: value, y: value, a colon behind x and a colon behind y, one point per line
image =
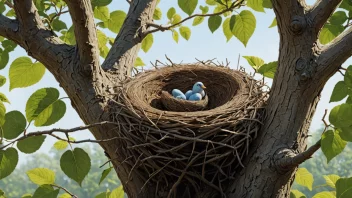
x: 202, y: 45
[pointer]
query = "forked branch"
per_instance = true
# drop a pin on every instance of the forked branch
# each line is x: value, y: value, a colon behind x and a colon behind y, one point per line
x: 85, y: 31
x: 321, y: 11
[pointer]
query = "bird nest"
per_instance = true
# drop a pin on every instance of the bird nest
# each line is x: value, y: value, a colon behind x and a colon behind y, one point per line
x: 188, y: 151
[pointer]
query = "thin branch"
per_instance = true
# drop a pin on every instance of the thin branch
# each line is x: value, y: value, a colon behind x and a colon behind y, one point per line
x: 321, y: 11
x: 333, y: 55
x: 39, y: 42
x: 124, y: 51
x: 83, y: 141
x: 157, y: 27
x: 66, y: 131
x: 85, y: 31
x: 295, y: 160
x: 8, y: 3
x: 62, y: 188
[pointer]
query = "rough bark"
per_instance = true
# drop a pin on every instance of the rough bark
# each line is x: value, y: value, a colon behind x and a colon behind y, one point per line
x: 304, y: 68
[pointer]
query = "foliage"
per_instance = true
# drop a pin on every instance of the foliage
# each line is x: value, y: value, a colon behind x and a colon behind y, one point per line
x: 19, y: 182
x: 45, y: 107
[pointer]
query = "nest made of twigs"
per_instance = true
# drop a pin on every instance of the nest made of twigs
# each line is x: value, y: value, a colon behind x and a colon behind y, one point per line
x: 200, y: 149
x: 173, y: 104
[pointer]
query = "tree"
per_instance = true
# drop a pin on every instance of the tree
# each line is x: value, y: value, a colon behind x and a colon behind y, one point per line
x: 314, y: 43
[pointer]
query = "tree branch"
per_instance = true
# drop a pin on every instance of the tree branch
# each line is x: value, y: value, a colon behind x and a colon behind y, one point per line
x: 9, y: 28
x: 292, y: 160
x: 234, y: 5
x: 64, y: 189
x: 124, y: 51
x: 85, y: 31
x: 66, y: 131
x: 335, y: 54
x: 37, y: 40
x: 321, y: 11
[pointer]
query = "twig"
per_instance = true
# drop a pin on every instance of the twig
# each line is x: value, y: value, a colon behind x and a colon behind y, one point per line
x: 323, y: 119
x: 293, y: 161
x: 62, y: 188
x: 8, y: 3
x: 163, y: 28
x: 51, y: 131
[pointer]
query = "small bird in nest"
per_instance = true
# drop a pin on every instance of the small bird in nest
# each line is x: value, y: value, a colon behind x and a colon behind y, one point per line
x: 178, y: 94
x: 197, y: 92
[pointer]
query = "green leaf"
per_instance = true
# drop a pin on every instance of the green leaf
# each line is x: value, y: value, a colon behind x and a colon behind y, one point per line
x: 65, y: 195
x: 340, y: 116
x: 102, y: 13
x: 256, y: 5
x: 8, y: 161
x: 68, y: 36
x: 41, y: 176
x: 254, y: 61
x: 46, y: 191
x: 117, y: 193
x: 175, y: 36
x: 214, y: 23
x: 304, y: 178
x: 15, y: 124
x: 267, y: 4
x: 296, y: 194
x: 116, y: 20
x: 346, y: 133
x: 268, y: 69
x: 103, y: 194
x: 329, y: 32
x: 331, y: 180
x: 338, y: 18
x: 27, y: 195
x: 210, y: 2
x: 157, y: 14
x: 204, y: 9
x: 139, y: 62
x: 102, y: 39
x: 58, y: 25
x: 9, y: 45
x: 273, y: 24
x: 3, y: 98
x: 11, y: 13
x: 332, y: 144
x: 197, y: 20
x: 60, y: 145
x: 44, y: 107
x: 4, y: 58
x: 171, y: 12
x: 344, y: 188
x: 226, y: 29
x: 176, y: 19
x: 324, y: 194
x: 349, y: 100
x: 101, y: 2
x: 243, y: 26
x: 2, y: 80
x: 348, y: 77
x: 31, y: 144
x: 104, y: 174
x: 185, y: 32
x: 24, y: 73
x: 75, y: 164
x: 2, y: 114
x: 188, y: 6
x: 147, y: 42
x: 340, y: 92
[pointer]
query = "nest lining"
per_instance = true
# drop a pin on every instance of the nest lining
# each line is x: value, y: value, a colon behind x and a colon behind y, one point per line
x: 181, y: 149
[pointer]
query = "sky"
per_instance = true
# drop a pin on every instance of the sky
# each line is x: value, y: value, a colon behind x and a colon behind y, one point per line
x: 202, y: 45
